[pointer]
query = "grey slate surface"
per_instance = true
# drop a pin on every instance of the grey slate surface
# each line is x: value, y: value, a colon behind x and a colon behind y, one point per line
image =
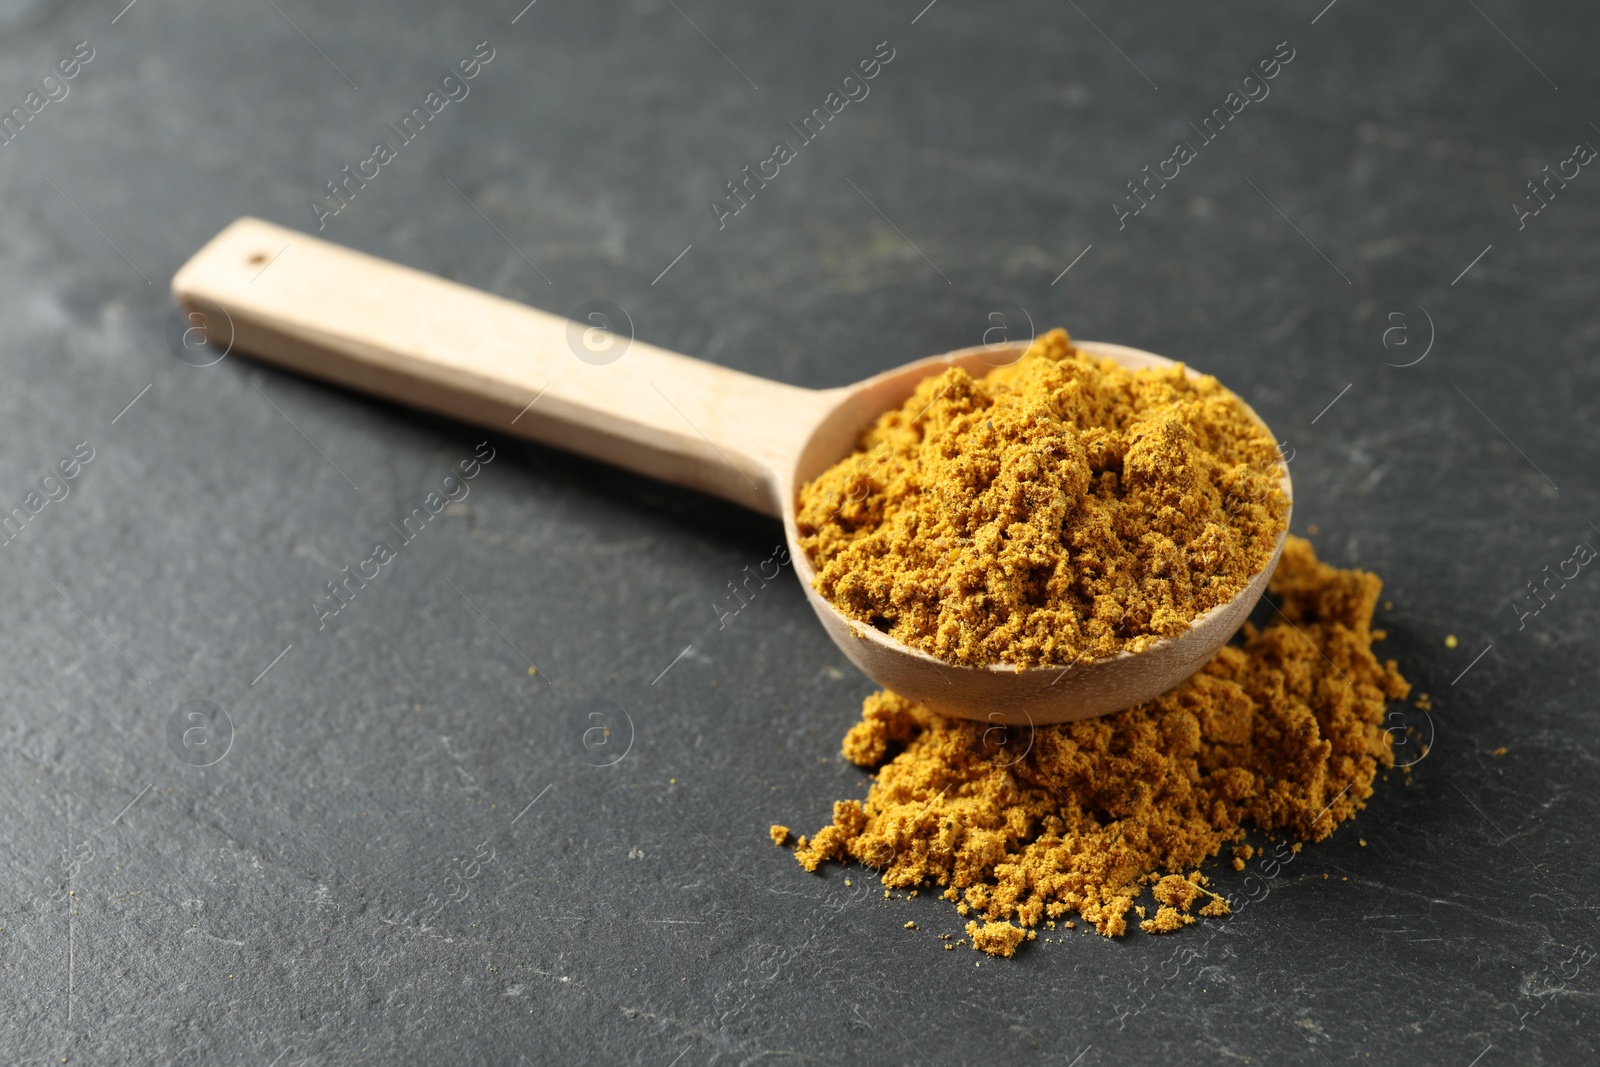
x: 323, y: 893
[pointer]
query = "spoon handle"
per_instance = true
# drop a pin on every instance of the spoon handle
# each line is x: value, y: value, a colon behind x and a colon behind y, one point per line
x: 325, y: 311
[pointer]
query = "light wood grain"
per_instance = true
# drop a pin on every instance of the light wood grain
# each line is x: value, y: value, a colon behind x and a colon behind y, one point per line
x: 381, y: 328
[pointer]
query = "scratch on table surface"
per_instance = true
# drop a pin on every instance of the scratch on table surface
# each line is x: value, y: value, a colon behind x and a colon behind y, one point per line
x: 716, y: 1039
x: 211, y: 937
x: 1465, y: 906
x: 1528, y: 987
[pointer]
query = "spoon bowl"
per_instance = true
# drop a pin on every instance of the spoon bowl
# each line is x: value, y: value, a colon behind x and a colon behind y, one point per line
x: 999, y: 692
x: 587, y: 386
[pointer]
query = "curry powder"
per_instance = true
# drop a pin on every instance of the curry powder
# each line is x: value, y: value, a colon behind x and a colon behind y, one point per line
x: 1057, y: 510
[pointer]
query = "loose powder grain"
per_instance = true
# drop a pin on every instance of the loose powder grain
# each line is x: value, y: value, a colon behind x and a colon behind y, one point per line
x: 1283, y: 730
x: 1060, y: 509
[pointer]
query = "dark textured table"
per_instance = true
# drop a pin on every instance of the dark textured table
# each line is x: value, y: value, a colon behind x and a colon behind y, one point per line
x: 231, y: 836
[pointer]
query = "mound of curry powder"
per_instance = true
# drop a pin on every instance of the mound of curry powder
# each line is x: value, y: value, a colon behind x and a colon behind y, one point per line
x: 1282, y: 730
x: 1056, y: 510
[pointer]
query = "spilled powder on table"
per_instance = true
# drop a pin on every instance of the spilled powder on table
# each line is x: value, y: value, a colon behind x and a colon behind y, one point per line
x: 1283, y: 731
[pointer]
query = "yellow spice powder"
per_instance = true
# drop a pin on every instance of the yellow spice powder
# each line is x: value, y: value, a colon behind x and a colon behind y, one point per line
x: 1059, y: 509
x: 1282, y: 730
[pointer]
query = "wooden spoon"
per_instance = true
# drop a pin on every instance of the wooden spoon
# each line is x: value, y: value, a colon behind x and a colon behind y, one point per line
x: 299, y: 302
